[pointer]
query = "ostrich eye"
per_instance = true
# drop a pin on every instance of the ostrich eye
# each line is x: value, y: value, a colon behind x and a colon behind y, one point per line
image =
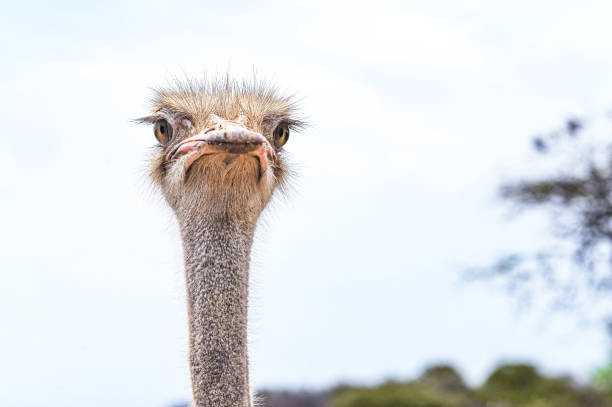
x: 163, y: 131
x: 281, y: 134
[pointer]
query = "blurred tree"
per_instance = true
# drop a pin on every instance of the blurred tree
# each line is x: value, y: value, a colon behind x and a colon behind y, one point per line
x: 442, y: 386
x: 603, y: 380
x: 443, y: 378
x: 578, y: 197
x: 523, y: 386
x: 397, y: 395
x: 439, y: 386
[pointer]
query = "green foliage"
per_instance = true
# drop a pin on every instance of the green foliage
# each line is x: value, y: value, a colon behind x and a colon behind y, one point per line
x: 442, y: 386
x: 443, y: 378
x: 395, y: 395
x: 522, y: 386
x: 439, y: 386
x: 603, y: 379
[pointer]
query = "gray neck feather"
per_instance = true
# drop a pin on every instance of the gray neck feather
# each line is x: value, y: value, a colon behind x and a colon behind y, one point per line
x: 217, y: 274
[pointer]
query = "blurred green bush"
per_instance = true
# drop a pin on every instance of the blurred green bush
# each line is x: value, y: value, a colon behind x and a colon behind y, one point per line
x: 603, y: 380
x: 442, y: 386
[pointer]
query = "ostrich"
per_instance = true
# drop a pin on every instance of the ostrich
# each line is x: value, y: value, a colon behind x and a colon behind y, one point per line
x: 218, y: 161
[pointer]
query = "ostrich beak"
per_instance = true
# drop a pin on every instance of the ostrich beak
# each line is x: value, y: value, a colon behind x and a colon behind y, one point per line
x: 230, y: 140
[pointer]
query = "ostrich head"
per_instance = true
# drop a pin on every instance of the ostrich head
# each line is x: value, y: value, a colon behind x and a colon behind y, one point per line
x: 218, y: 160
x: 220, y: 147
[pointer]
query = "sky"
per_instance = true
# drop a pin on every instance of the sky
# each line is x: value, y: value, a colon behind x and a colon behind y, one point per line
x: 417, y: 111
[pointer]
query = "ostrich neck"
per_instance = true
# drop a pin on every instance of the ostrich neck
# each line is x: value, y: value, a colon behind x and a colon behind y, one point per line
x: 217, y: 275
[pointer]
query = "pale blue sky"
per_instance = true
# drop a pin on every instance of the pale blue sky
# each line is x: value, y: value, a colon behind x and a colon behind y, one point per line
x: 418, y: 110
